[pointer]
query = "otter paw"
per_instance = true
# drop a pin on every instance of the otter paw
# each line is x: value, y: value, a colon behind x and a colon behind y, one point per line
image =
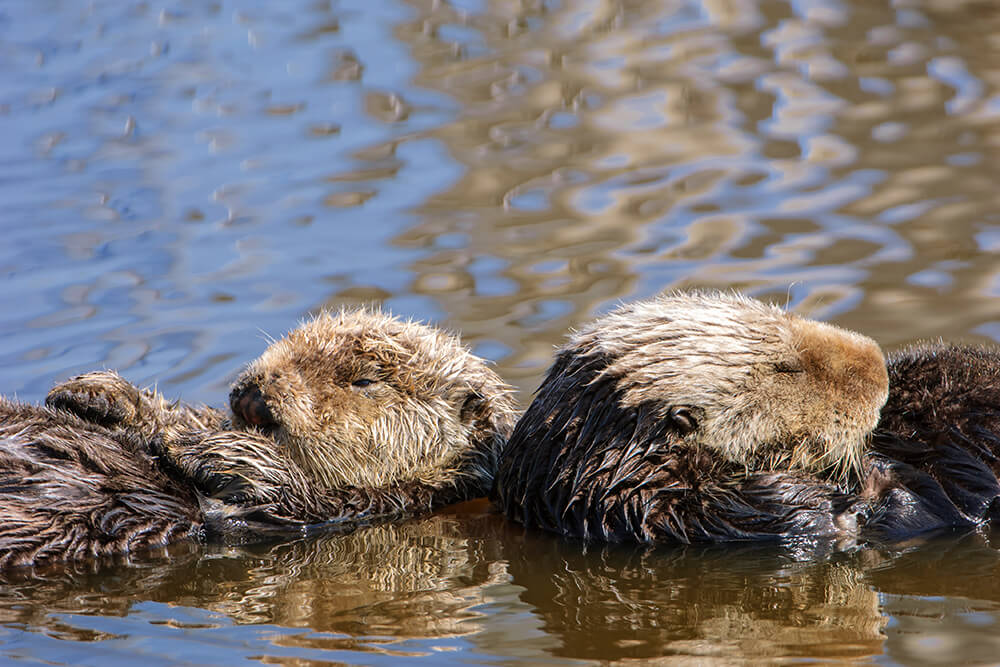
x: 101, y: 397
x: 224, y: 465
x: 230, y: 484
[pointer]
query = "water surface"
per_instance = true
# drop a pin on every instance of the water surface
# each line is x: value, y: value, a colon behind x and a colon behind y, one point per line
x: 180, y: 180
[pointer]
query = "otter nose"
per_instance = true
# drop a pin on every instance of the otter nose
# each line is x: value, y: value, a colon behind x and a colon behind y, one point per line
x: 247, y: 402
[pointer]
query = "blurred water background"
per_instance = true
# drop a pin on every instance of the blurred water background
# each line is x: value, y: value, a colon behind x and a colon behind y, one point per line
x: 181, y: 179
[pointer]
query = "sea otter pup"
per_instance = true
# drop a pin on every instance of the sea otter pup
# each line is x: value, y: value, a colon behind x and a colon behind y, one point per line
x: 352, y: 416
x: 696, y: 417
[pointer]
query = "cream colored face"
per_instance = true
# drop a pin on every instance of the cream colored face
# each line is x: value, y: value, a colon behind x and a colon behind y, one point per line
x: 362, y: 399
x: 766, y: 388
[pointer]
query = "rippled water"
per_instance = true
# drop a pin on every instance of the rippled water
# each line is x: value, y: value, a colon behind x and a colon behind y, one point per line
x: 179, y: 180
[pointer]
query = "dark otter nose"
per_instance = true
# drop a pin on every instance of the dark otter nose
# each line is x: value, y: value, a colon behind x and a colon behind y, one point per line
x: 247, y: 402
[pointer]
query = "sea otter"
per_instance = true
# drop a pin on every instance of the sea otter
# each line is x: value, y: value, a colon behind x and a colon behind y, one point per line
x: 697, y: 417
x: 713, y: 417
x: 352, y: 416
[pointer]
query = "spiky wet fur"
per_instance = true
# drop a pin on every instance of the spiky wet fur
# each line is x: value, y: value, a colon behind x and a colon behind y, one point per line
x: 935, y: 456
x: 598, y: 456
x: 425, y: 432
x: 71, y: 490
x: 769, y: 389
x: 428, y: 398
x: 776, y: 410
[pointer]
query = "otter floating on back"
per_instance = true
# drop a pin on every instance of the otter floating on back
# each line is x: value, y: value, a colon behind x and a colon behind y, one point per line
x: 713, y: 417
x: 352, y: 416
x: 696, y: 417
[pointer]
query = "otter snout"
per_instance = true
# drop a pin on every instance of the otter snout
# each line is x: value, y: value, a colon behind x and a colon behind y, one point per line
x: 847, y: 368
x: 249, y: 405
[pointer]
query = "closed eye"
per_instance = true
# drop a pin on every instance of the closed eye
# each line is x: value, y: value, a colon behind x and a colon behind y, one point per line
x: 787, y: 367
x: 363, y: 382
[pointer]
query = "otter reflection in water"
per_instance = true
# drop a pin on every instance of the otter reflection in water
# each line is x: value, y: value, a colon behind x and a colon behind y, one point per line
x: 352, y: 416
x: 720, y: 604
x: 712, y: 417
x: 366, y: 590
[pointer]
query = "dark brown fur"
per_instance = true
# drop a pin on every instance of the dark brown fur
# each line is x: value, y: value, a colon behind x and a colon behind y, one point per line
x: 70, y: 490
x: 586, y: 462
x: 695, y: 418
x: 385, y: 417
x: 580, y: 464
x: 934, y: 456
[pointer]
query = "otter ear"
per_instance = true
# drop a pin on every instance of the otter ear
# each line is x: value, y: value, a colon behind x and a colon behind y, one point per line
x: 473, y: 406
x: 684, y: 418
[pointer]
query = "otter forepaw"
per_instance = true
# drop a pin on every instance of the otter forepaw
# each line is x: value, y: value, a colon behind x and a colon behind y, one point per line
x: 101, y: 397
x: 232, y: 485
x: 234, y: 467
x: 223, y: 481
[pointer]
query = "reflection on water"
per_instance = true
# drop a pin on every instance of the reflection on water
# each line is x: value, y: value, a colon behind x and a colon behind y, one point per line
x: 179, y: 180
x: 748, y: 602
x: 469, y: 585
x: 412, y: 589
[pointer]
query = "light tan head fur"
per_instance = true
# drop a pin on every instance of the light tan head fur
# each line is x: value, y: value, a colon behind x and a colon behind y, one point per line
x: 764, y: 387
x: 360, y: 398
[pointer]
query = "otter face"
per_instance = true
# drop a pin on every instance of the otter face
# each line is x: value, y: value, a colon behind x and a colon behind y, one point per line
x: 359, y: 398
x: 764, y: 387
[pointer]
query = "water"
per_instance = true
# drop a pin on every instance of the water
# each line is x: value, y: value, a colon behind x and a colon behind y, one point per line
x: 180, y: 180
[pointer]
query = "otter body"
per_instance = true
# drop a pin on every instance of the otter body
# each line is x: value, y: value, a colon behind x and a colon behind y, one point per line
x: 351, y: 417
x: 696, y: 417
x: 71, y: 489
x: 702, y: 418
x: 935, y: 455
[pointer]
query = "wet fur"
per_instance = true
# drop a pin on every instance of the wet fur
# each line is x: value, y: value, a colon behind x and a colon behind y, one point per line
x: 692, y: 418
x: 599, y: 454
x: 107, y: 467
x: 424, y: 399
x: 764, y: 387
x: 73, y: 490
x: 935, y: 456
x: 581, y: 464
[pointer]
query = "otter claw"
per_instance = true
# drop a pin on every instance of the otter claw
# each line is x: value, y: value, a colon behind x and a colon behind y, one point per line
x: 102, y: 398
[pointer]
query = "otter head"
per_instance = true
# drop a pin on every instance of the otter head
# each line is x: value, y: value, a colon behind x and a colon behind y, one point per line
x: 763, y: 387
x: 362, y: 399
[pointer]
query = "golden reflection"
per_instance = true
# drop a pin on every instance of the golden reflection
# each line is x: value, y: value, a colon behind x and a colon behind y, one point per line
x: 467, y: 574
x: 734, y: 602
x: 370, y: 588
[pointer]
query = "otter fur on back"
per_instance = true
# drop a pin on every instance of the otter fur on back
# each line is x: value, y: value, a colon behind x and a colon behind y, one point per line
x: 70, y: 490
x: 935, y: 456
x: 353, y: 416
x: 695, y: 417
